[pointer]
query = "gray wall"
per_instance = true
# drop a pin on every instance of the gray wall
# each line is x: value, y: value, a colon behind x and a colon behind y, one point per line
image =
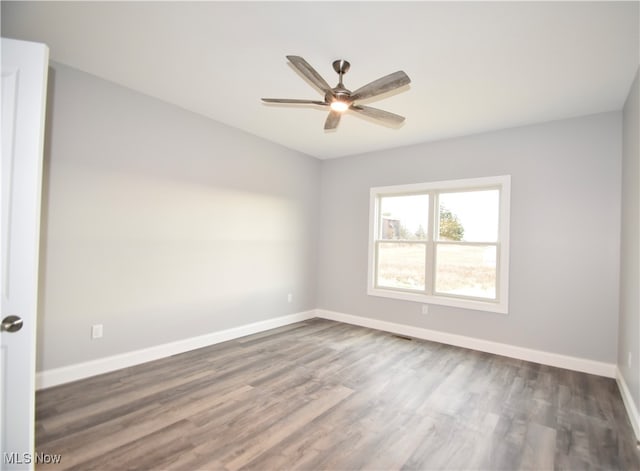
x: 565, y: 233
x: 629, y: 327
x: 163, y: 225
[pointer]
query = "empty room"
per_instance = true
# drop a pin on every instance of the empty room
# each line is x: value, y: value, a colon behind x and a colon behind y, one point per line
x: 320, y: 235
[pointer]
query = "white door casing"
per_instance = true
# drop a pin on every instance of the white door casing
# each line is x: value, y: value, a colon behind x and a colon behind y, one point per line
x: 24, y: 79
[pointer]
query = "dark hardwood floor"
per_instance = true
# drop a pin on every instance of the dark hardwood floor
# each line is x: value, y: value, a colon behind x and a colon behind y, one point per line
x: 323, y: 395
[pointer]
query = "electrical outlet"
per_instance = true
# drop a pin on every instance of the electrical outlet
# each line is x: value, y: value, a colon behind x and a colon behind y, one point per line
x: 425, y: 309
x: 96, y: 331
x: 289, y: 298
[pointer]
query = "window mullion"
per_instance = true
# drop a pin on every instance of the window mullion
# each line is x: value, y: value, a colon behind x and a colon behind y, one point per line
x: 498, y: 270
x: 430, y: 249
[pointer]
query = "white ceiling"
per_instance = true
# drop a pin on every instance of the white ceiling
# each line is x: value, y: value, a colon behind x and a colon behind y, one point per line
x: 474, y: 66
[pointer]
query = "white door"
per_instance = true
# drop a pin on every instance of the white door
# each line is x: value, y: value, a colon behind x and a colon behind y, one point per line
x: 24, y: 78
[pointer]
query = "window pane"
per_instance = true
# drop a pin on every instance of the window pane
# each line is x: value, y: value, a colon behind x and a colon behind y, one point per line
x: 401, y: 265
x: 404, y: 217
x: 470, y: 216
x: 466, y: 270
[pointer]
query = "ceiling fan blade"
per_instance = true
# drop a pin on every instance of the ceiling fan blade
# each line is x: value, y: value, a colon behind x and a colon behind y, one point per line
x: 293, y: 101
x: 332, y: 120
x: 382, y: 85
x: 382, y: 115
x: 310, y: 73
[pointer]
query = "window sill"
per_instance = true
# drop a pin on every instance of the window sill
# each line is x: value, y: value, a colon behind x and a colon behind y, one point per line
x: 477, y: 305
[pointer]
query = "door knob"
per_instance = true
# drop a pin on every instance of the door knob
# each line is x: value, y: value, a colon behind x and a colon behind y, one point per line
x: 12, y: 323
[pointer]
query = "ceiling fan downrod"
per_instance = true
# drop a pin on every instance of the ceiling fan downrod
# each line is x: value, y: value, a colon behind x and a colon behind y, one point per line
x: 340, y: 92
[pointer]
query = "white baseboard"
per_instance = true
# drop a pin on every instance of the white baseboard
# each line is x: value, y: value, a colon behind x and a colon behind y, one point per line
x: 629, y: 404
x: 66, y: 374
x: 512, y: 351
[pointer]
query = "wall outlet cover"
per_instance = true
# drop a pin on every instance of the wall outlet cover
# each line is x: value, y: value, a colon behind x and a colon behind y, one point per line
x: 96, y: 331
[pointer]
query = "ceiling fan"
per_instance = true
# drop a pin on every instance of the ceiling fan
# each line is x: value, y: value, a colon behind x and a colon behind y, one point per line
x: 339, y: 99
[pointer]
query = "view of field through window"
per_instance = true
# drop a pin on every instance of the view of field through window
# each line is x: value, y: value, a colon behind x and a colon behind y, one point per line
x: 402, y: 266
x: 466, y: 270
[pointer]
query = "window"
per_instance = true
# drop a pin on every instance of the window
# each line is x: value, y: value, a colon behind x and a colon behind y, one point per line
x: 442, y: 243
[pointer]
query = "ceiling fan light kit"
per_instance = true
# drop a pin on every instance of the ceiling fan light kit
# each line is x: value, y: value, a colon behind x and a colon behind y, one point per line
x: 339, y: 99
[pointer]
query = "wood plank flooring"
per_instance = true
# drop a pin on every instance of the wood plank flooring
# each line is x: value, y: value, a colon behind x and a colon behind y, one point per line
x: 321, y: 395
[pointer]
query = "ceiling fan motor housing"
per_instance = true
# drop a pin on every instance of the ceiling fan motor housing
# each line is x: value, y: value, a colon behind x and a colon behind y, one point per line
x: 338, y: 94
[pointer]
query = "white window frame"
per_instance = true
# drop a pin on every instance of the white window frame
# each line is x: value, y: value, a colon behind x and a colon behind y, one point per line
x: 501, y: 303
